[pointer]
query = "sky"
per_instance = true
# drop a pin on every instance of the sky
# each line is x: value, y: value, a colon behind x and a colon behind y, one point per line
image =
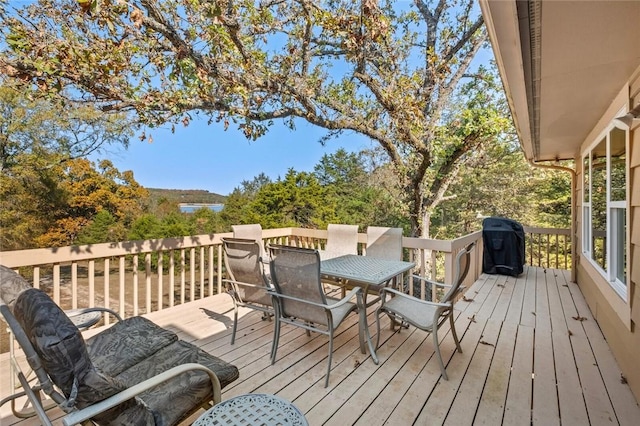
x: 207, y: 157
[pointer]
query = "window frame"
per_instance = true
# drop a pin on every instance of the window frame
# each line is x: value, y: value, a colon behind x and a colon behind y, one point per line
x: 613, y: 223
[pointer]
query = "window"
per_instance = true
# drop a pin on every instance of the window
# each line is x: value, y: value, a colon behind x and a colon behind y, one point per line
x: 604, y: 207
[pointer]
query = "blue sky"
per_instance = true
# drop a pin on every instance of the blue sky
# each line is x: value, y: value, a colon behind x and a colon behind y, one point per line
x: 203, y: 156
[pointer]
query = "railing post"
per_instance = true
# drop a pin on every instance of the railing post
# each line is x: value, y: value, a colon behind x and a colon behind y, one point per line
x: 448, y: 268
x: 135, y: 285
x: 147, y: 282
x: 107, y: 291
x: 56, y: 283
x: 160, y: 280
x: 92, y: 283
x: 211, y: 269
x: 219, y: 268
x: 121, y: 285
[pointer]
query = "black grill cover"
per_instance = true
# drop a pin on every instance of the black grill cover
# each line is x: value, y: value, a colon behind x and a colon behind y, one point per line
x: 503, y: 246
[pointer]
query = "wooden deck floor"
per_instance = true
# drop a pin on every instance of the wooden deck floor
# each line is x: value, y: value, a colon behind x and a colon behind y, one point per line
x: 532, y: 354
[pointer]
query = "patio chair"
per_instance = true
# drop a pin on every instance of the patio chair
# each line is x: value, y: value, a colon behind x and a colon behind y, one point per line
x: 247, y: 284
x: 341, y: 239
x: 384, y: 243
x: 426, y: 315
x: 300, y: 299
x: 253, y: 231
x: 134, y: 372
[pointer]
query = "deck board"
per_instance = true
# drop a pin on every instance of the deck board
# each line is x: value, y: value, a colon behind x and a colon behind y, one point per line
x: 528, y: 358
x: 494, y: 396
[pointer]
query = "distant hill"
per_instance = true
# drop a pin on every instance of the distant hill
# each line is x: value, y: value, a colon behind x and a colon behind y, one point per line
x: 186, y: 196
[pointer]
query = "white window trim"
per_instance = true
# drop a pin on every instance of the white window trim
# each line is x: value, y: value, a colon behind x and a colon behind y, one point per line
x: 620, y: 288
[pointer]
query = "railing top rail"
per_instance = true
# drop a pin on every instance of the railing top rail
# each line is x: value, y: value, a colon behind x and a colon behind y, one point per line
x: 44, y: 256
x: 548, y: 231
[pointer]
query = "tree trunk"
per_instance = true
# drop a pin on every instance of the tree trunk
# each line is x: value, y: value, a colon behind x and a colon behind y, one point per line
x: 426, y: 223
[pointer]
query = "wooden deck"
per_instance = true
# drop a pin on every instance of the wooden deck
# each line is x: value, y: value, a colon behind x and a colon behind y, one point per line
x: 532, y: 354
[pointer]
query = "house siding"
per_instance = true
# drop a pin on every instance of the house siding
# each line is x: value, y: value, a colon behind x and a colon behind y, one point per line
x: 623, y: 337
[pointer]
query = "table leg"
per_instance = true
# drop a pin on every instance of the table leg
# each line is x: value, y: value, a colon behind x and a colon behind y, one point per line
x: 364, y: 325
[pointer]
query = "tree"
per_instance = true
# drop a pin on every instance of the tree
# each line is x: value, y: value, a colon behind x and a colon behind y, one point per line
x: 500, y: 182
x: 205, y: 221
x: 496, y: 182
x: 237, y: 207
x: 39, y: 140
x: 84, y: 191
x: 350, y: 187
x: 31, y: 124
x: 296, y: 200
x: 28, y: 196
x: 102, y: 228
x: 145, y: 227
x: 387, y: 70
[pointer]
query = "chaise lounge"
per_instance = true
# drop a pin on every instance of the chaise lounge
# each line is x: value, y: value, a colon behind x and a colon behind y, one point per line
x: 134, y: 372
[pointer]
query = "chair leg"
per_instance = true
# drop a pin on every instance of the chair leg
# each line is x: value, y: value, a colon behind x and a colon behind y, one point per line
x: 362, y: 323
x: 326, y: 381
x: 276, y: 338
x: 453, y: 331
x: 235, y: 323
x: 437, y: 347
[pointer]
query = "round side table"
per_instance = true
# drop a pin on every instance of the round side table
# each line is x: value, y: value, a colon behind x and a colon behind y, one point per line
x: 253, y: 409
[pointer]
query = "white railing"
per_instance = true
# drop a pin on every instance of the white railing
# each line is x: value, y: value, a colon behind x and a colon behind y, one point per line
x: 137, y: 277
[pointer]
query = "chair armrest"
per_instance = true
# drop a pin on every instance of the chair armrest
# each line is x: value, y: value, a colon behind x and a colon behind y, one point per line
x: 243, y: 284
x: 354, y: 291
x: 100, y: 309
x: 99, y: 407
x: 401, y: 294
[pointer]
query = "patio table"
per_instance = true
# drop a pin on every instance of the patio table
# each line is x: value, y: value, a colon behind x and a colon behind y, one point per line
x: 253, y: 409
x: 369, y: 273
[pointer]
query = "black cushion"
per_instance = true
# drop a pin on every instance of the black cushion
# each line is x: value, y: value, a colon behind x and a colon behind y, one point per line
x: 123, y: 355
x: 64, y: 356
x: 127, y: 343
x: 57, y: 341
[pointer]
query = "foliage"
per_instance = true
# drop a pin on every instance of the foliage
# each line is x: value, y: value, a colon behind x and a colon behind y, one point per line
x: 85, y: 191
x: 30, y: 124
x: 42, y: 143
x: 28, y: 196
x: 50, y: 206
x: 102, y: 228
x: 296, y: 200
x: 145, y: 227
x: 237, y: 207
x: 387, y: 70
x: 356, y: 196
x: 499, y: 182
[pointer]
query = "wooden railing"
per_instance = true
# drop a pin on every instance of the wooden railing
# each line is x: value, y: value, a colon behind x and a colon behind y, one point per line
x: 548, y: 248
x: 137, y: 277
